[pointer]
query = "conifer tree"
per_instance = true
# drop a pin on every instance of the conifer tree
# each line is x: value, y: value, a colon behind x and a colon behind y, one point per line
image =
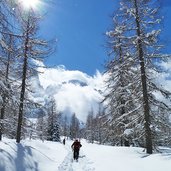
x: 56, y: 132
x: 53, y: 117
x: 7, y: 60
x: 32, y: 49
x: 74, y: 127
x: 90, y: 131
x: 135, y: 49
x: 65, y: 127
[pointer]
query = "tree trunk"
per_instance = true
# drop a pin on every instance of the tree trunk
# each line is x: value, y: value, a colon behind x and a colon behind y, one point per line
x: 2, y: 117
x: 23, y: 87
x: 20, y: 114
x: 148, y: 133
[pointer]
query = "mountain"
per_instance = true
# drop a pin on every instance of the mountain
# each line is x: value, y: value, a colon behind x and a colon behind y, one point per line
x: 74, y: 91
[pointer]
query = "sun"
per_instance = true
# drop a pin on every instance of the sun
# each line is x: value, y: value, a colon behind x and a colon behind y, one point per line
x: 30, y: 3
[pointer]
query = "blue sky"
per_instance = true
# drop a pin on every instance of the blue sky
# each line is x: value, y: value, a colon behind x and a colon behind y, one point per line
x: 79, y: 26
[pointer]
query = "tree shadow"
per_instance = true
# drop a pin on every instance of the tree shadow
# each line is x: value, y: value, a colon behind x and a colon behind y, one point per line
x: 24, y: 159
x: 166, y: 152
x: 3, y: 163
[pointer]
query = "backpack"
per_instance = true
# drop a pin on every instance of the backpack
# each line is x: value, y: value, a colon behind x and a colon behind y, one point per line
x: 77, y: 145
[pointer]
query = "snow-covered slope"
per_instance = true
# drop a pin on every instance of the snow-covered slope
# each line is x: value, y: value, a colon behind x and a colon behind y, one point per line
x: 36, y: 155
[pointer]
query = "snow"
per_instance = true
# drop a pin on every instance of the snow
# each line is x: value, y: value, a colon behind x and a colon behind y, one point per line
x: 30, y: 155
x: 126, y: 158
x: 35, y: 155
x: 128, y: 131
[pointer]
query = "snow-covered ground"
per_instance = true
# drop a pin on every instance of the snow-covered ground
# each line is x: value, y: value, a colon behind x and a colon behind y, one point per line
x: 35, y: 155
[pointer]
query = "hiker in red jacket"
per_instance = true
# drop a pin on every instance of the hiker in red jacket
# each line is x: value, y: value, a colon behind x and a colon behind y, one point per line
x: 76, y: 148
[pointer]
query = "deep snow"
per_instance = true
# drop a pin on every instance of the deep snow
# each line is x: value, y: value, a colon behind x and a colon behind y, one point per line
x: 35, y: 155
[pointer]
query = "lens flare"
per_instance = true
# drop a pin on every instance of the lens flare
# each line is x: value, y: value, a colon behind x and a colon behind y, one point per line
x: 30, y: 3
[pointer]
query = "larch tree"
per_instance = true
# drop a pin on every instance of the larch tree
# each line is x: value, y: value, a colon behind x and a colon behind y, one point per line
x: 120, y: 81
x: 65, y: 127
x: 136, y: 55
x: 32, y: 49
x: 74, y: 127
x: 97, y: 126
x: 4, y: 49
x: 90, y: 125
x: 41, y: 128
x: 7, y: 59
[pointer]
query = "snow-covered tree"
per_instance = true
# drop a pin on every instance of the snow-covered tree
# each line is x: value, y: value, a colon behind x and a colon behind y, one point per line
x: 90, y: 131
x: 134, y: 43
x: 96, y: 126
x: 65, y: 127
x: 101, y: 125
x: 41, y: 128
x: 53, y: 117
x: 74, y: 127
x: 7, y: 61
x: 56, y: 132
x: 32, y: 49
x: 121, y: 80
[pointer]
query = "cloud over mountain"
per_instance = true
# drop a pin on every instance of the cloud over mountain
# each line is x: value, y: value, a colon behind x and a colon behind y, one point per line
x: 74, y: 91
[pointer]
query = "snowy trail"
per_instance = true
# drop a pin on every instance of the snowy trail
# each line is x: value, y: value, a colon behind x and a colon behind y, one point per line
x: 35, y: 155
x: 83, y: 164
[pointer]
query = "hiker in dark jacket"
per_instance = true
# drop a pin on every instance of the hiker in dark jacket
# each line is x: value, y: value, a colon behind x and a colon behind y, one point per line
x: 76, y: 148
x: 63, y: 141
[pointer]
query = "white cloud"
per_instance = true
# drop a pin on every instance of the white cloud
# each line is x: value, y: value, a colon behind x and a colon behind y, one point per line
x: 164, y: 78
x: 77, y: 99
x: 74, y: 91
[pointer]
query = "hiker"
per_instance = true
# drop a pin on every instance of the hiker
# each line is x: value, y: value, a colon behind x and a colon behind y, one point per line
x: 76, y: 148
x: 63, y: 141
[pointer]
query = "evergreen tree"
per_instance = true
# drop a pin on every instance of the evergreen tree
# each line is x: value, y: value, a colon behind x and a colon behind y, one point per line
x: 41, y: 128
x: 56, y: 132
x: 101, y: 125
x: 65, y: 127
x: 96, y: 128
x: 53, y: 128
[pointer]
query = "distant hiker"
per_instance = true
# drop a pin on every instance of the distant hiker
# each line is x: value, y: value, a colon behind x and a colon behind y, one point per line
x: 76, y: 148
x: 63, y: 141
